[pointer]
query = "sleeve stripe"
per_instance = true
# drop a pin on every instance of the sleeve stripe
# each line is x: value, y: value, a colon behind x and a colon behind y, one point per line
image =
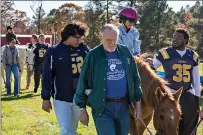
x: 164, y: 53
x: 195, y: 57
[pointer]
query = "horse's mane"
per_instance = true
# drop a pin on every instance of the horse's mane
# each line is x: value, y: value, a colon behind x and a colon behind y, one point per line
x: 141, y: 64
x: 144, y: 65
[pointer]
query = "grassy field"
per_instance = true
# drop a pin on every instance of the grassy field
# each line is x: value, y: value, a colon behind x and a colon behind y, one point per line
x: 23, y: 116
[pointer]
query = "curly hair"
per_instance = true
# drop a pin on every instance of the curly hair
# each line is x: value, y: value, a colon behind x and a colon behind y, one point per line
x: 185, y: 34
x: 73, y: 29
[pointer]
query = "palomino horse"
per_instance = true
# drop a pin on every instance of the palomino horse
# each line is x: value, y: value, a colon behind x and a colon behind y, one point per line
x: 158, y: 99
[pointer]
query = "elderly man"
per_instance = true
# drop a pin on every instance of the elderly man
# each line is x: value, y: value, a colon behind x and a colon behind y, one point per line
x: 108, y: 80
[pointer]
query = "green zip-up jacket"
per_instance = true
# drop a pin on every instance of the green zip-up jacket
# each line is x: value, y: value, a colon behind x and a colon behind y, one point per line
x: 93, y: 78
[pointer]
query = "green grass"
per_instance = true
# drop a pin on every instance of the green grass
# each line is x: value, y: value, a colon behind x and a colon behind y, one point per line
x: 23, y: 116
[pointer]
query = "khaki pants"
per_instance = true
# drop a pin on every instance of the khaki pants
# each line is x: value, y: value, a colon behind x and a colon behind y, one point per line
x: 29, y: 74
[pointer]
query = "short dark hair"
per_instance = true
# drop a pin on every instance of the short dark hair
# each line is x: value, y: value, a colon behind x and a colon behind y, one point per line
x: 34, y: 36
x: 11, y: 39
x: 185, y: 34
x: 73, y: 29
x: 41, y: 35
x: 9, y: 27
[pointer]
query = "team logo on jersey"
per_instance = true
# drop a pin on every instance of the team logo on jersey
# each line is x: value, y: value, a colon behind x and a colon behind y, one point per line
x: 182, y: 61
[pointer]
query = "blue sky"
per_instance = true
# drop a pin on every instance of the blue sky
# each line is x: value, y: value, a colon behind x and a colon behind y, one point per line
x: 48, y: 5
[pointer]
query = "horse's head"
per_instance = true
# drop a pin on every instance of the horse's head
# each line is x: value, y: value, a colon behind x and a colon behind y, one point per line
x: 167, y: 112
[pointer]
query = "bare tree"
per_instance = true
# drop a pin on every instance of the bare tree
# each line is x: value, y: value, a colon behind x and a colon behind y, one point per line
x: 39, y: 13
x: 6, y: 5
x: 10, y: 16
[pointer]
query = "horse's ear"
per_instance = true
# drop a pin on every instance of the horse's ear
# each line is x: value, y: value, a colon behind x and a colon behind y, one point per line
x: 159, y: 94
x: 177, y: 94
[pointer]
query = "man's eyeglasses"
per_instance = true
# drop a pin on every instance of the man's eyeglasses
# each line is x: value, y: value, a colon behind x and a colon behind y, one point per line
x: 76, y: 37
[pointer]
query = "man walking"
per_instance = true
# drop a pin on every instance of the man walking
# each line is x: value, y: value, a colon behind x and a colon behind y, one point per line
x: 181, y: 71
x: 30, y: 59
x: 11, y: 63
x: 39, y: 51
x: 108, y: 80
x: 62, y: 67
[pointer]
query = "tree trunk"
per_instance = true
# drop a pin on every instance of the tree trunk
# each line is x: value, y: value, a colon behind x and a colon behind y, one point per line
x: 131, y: 3
x: 39, y: 18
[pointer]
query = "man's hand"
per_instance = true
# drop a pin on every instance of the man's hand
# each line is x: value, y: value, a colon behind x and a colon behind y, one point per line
x: 46, y: 105
x: 84, y: 117
x: 137, y: 110
x: 201, y: 113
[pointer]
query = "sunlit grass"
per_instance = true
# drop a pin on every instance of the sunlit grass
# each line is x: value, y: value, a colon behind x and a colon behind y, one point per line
x: 23, y: 116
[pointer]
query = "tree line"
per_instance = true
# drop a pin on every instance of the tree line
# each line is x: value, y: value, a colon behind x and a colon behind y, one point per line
x: 157, y: 23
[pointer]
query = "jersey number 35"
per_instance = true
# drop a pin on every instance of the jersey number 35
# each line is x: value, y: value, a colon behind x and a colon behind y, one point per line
x: 182, y: 73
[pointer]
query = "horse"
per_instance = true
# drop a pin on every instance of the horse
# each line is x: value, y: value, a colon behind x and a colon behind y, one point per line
x: 157, y: 98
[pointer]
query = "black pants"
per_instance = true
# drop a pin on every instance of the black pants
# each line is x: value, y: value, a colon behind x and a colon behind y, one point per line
x: 190, y: 109
x: 38, y: 69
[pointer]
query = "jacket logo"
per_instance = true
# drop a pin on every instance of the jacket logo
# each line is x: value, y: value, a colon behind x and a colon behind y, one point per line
x: 128, y: 60
x: 61, y: 58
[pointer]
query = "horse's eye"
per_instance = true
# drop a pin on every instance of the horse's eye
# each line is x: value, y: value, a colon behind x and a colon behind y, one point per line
x: 162, y: 117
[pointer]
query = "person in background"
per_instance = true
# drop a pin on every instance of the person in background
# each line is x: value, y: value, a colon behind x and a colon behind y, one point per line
x: 30, y: 59
x: 129, y: 36
x: 11, y: 63
x: 39, y: 50
x: 62, y: 67
x: 108, y: 81
x: 181, y: 71
x: 10, y: 34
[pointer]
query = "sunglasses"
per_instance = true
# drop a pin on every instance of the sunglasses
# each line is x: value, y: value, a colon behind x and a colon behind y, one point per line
x: 132, y: 21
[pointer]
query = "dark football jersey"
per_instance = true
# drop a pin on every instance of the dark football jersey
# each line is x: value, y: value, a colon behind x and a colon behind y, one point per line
x: 40, y: 52
x: 77, y: 56
x: 178, y: 70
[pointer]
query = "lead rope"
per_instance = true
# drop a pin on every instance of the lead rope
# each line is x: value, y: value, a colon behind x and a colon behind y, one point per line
x: 143, y: 122
x: 145, y: 126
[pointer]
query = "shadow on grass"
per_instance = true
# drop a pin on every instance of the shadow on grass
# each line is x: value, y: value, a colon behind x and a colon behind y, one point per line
x: 11, y: 98
x: 21, y: 92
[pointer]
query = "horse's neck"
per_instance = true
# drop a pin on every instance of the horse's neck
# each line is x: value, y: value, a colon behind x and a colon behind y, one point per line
x: 149, y: 86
